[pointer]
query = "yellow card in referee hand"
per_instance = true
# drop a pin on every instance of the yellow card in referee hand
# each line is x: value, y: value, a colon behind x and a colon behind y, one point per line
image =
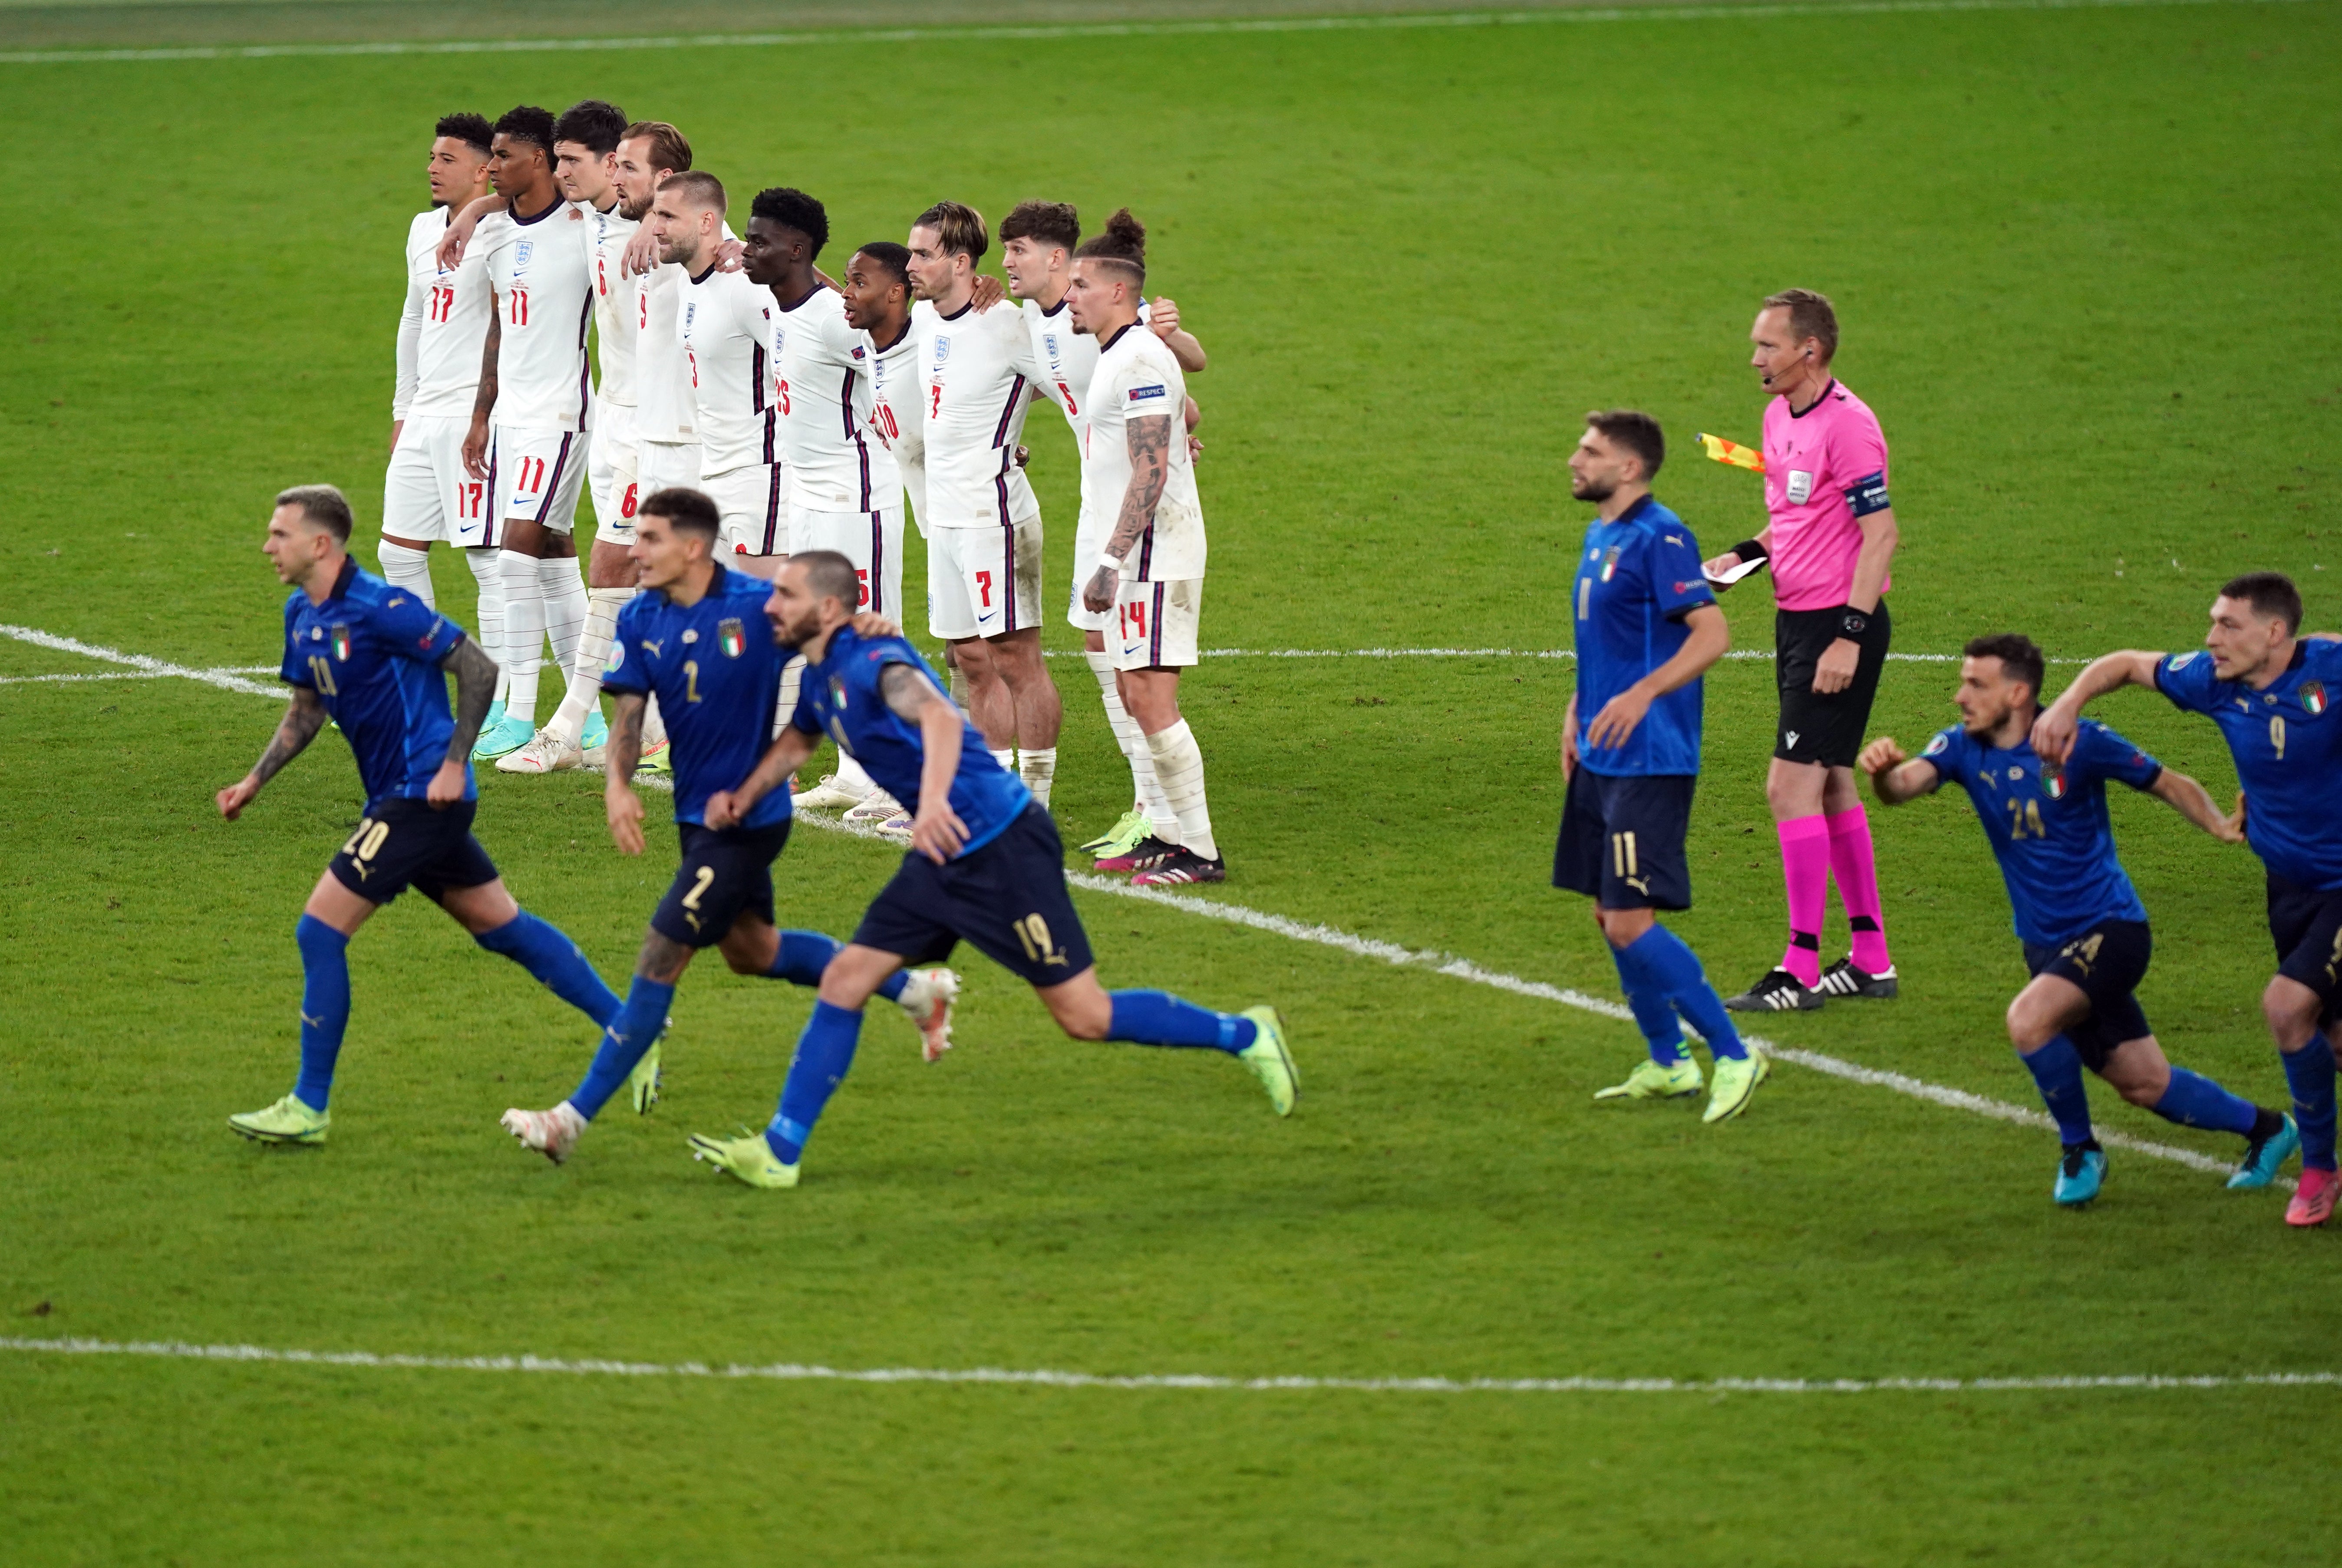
x: 1732, y: 452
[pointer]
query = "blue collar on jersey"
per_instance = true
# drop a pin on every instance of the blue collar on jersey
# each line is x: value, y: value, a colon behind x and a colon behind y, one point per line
x: 342, y: 580
x: 793, y: 304
x: 717, y: 587
x: 1628, y: 516
x: 1110, y: 343
x: 958, y: 313
x: 512, y: 211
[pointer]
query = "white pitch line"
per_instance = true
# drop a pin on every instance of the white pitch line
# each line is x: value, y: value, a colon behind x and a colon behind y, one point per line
x: 220, y: 678
x: 796, y: 1372
x: 1007, y: 33
x: 1563, y: 653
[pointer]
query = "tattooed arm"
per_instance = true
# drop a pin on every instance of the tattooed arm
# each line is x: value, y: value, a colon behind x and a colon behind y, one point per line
x: 1150, y: 468
x: 475, y: 440
x: 624, y: 750
x: 475, y: 689
x: 303, y: 719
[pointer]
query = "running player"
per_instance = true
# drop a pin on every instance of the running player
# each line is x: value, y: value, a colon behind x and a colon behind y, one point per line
x: 1036, y: 249
x: 698, y: 637
x: 1149, y: 573
x: 374, y: 659
x: 983, y: 524
x: 427, y: 497
x: 1831, y: 534
x: 532, y: 412
x: 1647, y: 628
x: 985, y: 867
x: 727, y: 330
x: 2084, y: 930
x: 2269, y: 690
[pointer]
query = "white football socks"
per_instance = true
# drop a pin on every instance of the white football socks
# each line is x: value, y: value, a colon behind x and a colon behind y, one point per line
x: 488, y: 571
x: 405, y: 567
x: 1004, y: 755
x: 1126, y: 735
x: 566, y: 608
x: 1179, y: 766
x: 524, y: 633
x: 602, y: 607
x: 851, y: 778
x: 1038, y: 767
x: 653, y: 726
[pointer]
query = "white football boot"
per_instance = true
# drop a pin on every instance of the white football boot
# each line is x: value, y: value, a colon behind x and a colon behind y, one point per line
x: 928, y: 997
x: 545, y: 753
x: 553, y: 1134
x: 829, y: 795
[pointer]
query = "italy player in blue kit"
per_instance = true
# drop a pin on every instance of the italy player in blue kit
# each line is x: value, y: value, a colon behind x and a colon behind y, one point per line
x: 374, y: 659
x: 985, y: 867
x: 2084, y: 930
x: 2271, y: 691
x: 698, y: 637
x: 1647, y: 627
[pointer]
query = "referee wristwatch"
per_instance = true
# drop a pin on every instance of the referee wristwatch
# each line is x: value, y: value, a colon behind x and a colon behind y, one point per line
x: 1853, y: 624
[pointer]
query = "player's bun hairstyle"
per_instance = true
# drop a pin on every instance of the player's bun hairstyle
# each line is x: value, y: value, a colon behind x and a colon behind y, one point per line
x: 592, y: 125
x: 890, y: 258
x: 958, y: 227
x: 830, y: 575
x: 472, y: 129
x: 528, y: 124
x: 1047, y: 222
x: 1124, y: 244
x: 793, y: 209
x: 1636, y: 431
x: 2021, y: 660
x: 322, y: 506
x: 1811, y: 316
x: 703, y: 191
x: 2271, y: 595
x: 668, y: 148
x: 686, y: 511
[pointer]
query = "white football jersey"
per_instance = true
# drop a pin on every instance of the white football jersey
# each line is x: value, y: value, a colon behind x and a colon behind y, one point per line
x: 823, y: 365
x: 979, y: 368
x: 544, y: 291
x: 442, y: 327
x: 726, y: 327
x: 898, y: 401
x: 1139, y: 378
x: 1065, y: 359
x: 665, y: 408
x: 617, y: 304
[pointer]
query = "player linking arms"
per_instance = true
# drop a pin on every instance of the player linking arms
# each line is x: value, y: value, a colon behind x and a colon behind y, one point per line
x: 370, y: 657
x: 695, y: 636
x: 2084, y: 929
x: 1647, y: 627
x: 986, y: 867
x: 2267, y: 689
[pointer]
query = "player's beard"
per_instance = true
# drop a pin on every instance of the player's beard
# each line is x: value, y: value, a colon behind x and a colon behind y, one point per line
x: 1592, y: 490
x: 632, y: 212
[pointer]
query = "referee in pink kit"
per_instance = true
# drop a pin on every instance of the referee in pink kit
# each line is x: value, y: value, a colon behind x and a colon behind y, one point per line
x: 1830, y: 535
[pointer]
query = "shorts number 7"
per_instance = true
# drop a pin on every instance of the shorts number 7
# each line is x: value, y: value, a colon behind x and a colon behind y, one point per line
x: 984, y: 588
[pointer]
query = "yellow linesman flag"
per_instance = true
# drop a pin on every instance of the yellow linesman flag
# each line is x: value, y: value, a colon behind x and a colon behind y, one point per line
x: 1732, y: 452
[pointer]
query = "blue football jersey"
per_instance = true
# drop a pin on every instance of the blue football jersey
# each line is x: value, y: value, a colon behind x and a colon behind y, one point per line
x: 1638, y: 578
x: 718, y: 673
x: 2050, y: 833
x: 370, y: 653
x: 840, y: 698
x: 2288, y: 748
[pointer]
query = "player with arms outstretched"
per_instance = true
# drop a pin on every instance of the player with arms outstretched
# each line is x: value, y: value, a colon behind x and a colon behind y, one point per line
x: 2084, y: 930
x: 985, y: 867
x: 374, y: 659
x: 2270, y: 691
x: 698, y: 637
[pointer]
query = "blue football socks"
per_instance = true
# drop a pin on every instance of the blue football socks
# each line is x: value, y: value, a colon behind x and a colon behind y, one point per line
x: 542, y: 949
x: 2309, y: 1073
x: 625, y: 1040
x: 1159, y: 1018
x: 825, y: 1051
x: 803, y: 955
x: 2194, y: 1101
x: 1675, y: 971
x: 1653, y: 1015
x: 326, y: 1011
x: 2057, y: 1068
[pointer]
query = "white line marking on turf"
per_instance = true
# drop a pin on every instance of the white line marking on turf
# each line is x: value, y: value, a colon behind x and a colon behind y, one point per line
x: 1565, y: 654
x: 220, y: 678
x: 793, y: 1372
x: 1089, y: 30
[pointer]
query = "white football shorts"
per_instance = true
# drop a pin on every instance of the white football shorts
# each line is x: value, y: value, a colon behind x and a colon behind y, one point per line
x: 873, y: 541
x: 984, y: 582
x: 665, y: 465
x: 535, y: 475
x: 1090, y: 533
x: 754, y: 501
x: 1156, y: 623
x: 610, y: 476
x: 426, y: 497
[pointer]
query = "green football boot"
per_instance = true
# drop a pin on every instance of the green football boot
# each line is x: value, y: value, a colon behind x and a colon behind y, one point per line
x: 1652, y: 1080
x: 643, y: 1084
x: 1736, y: 1081
x: 1270, y: 1060
x: 508, y: 734
x: 747, y: 1157
x: 656, y: 759
x: 288, y: 1121
x: 1133, y: 826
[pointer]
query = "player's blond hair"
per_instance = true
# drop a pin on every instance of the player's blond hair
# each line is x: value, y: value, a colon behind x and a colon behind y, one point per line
x: 959, y: 229
x: 668, y: 148
x: 701, y: 190
x: 1811, y: 315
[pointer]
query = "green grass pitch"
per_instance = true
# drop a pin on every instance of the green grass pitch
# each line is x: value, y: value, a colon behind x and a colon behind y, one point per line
x: 2084, y: 259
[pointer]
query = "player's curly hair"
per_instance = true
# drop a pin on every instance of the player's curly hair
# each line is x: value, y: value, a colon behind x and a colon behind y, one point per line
x: 793, y: 209
x: 527, y: 122
x: 470, y: 129
x: 1049, y: 223
x: 1811, y: 315
x: 1636, y: 431
x: 322, y: 506
x: 669, y: 148
x: 892, y: 259
x: 694, y: 185
x: 2020, y: 659
x: 1123, y: 244
x: 593, y: 125
x: 2271, y: 595
x: 686, y: 511
x: 960, y: 228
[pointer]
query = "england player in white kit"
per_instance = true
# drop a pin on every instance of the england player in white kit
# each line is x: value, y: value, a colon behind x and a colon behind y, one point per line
x: 1150, y: 571
x: 1036, y: 246
x: 982, y: 521
x: 666, y: 441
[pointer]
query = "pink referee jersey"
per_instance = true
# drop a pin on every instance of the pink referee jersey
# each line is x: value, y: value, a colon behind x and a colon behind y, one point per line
x: 1823, y: 469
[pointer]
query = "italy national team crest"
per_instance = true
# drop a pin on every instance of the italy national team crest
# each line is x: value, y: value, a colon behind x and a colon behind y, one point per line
x: 1610, y: 561
x: 342, y: 644
x: 2313, y: 698
x: 729, y: 636
x: 2053, y: 782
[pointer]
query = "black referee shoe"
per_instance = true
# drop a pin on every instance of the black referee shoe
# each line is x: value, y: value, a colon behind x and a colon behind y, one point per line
x: 1843, y: 979
x: 1778, y: 992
